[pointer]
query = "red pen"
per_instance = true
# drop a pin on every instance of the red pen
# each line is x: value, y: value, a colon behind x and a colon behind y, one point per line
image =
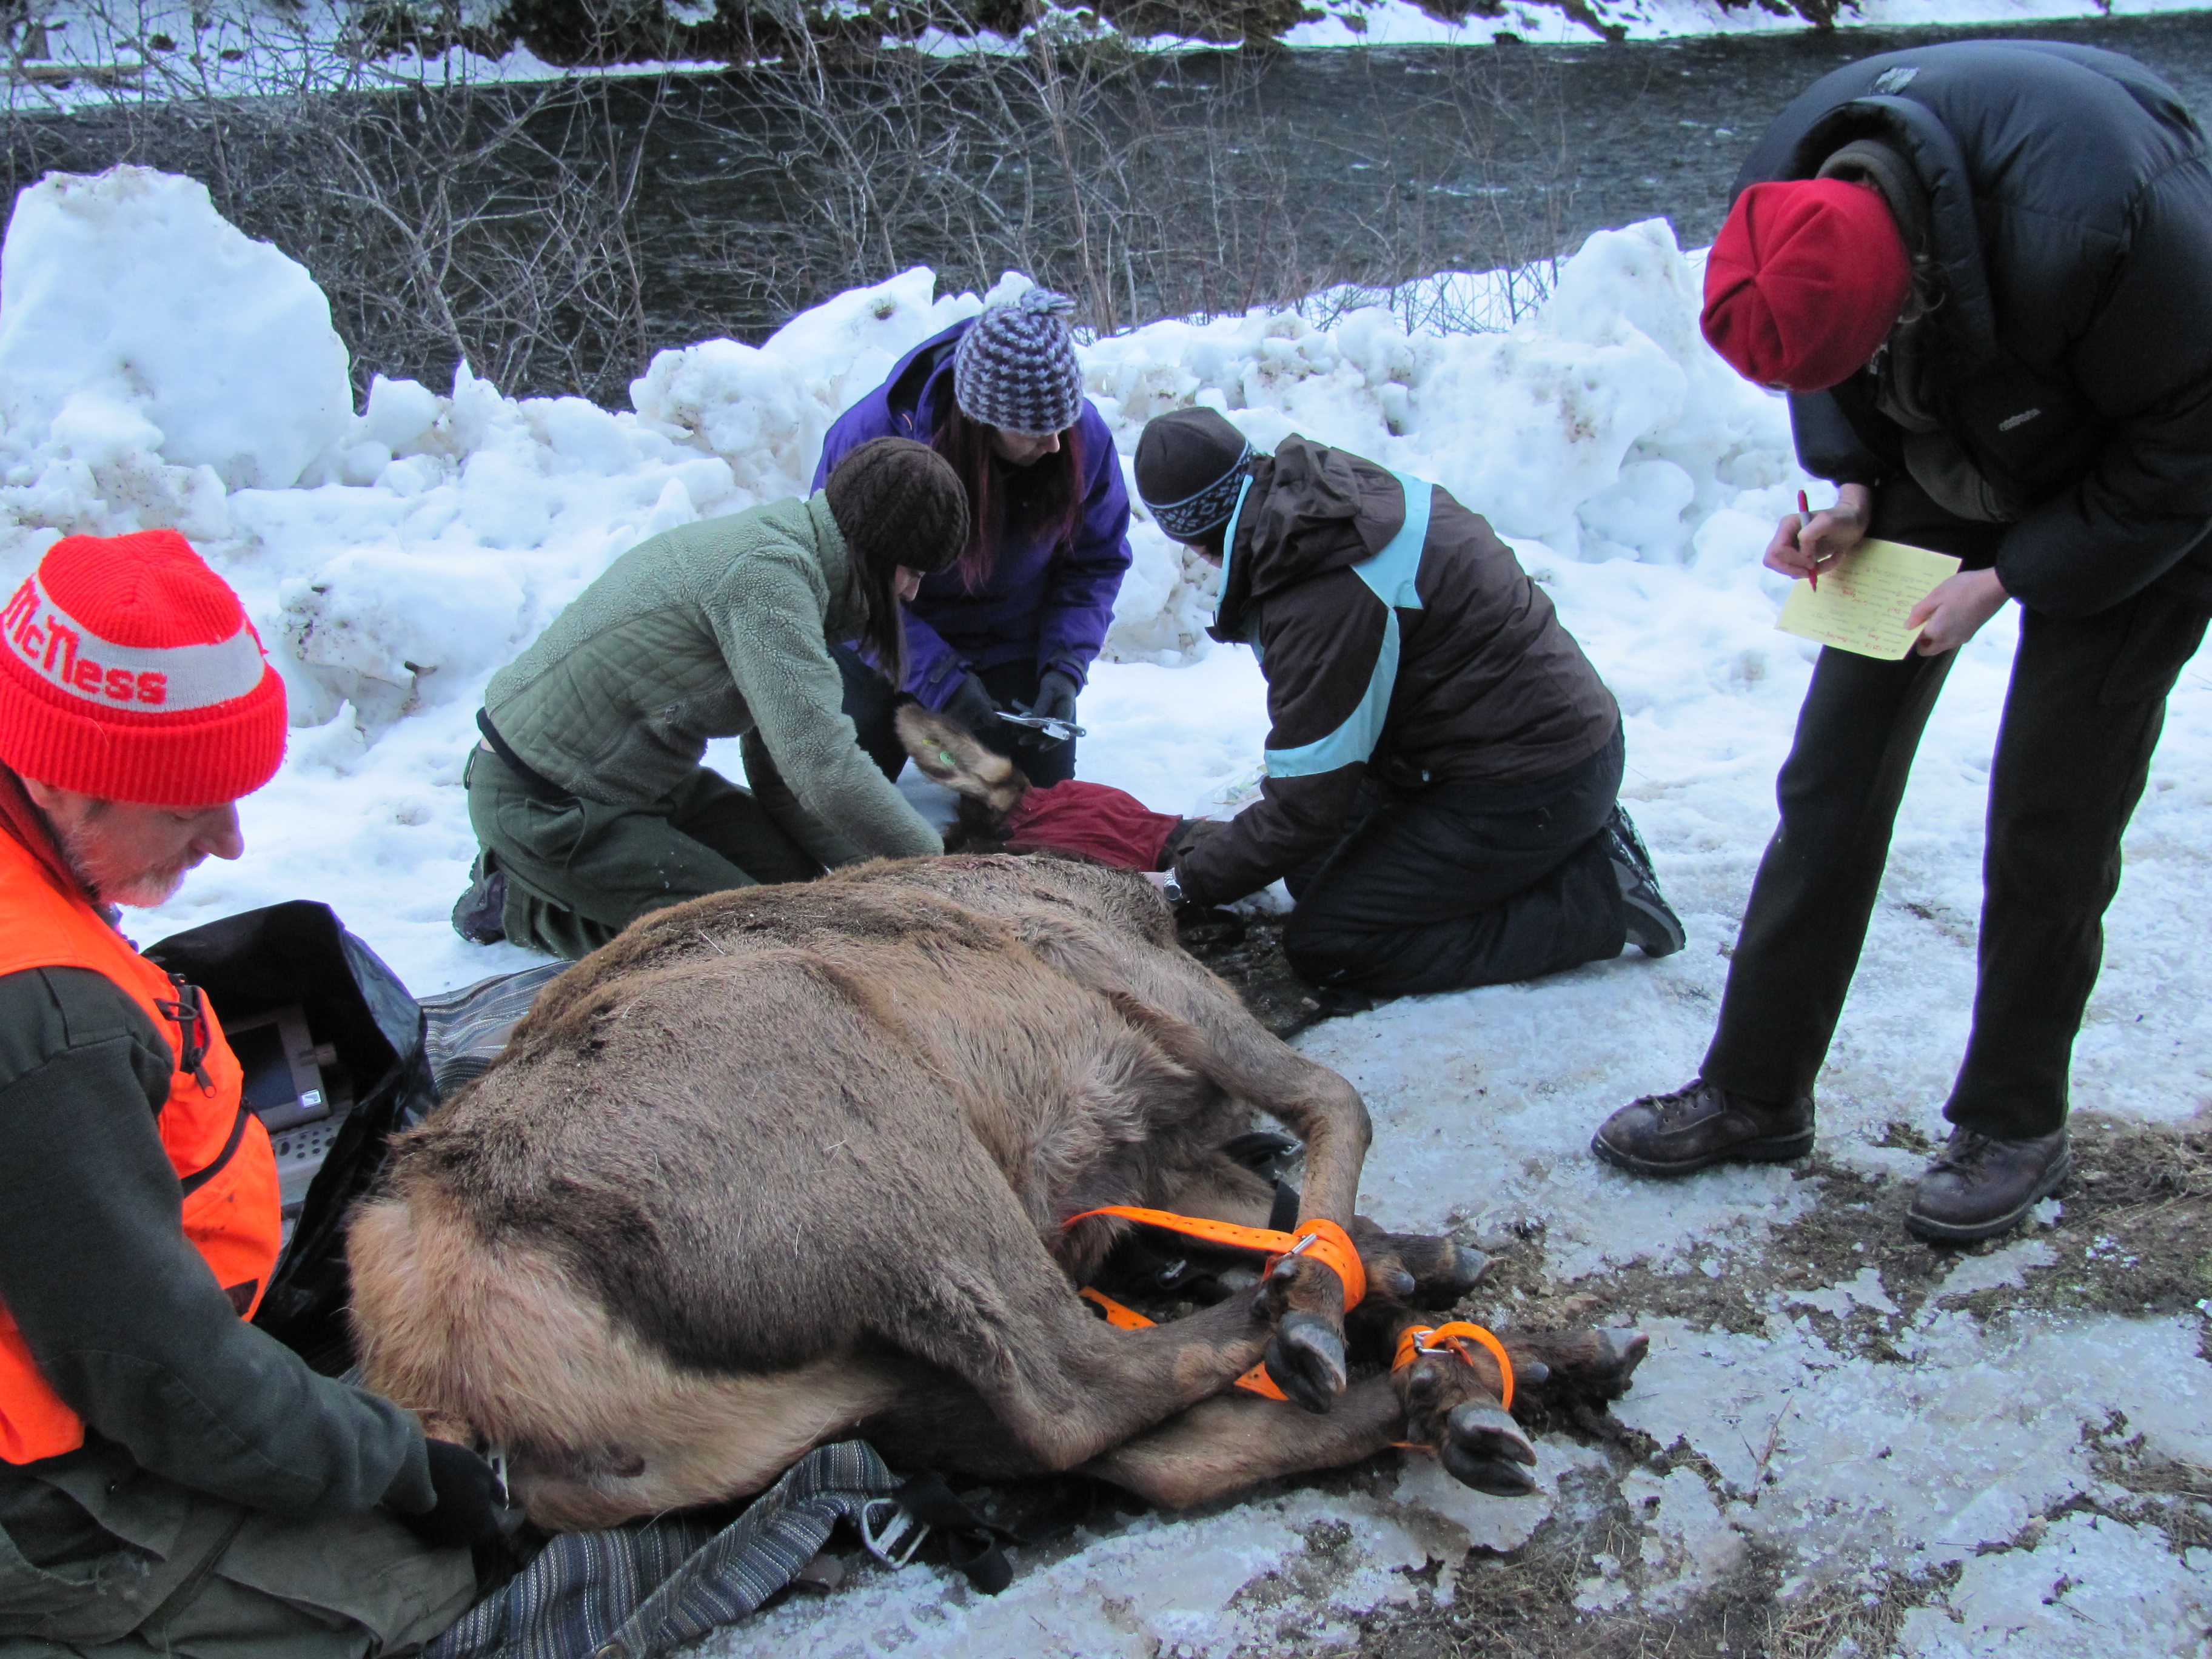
x: 1804, y: 511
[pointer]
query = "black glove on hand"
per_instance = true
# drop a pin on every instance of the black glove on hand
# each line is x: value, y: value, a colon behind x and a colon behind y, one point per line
x: 1055, y: 697
x: 970, y: 705
x: 467, y: 1509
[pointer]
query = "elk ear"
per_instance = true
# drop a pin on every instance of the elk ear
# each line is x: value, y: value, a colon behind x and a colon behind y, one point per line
x: 948, y: 753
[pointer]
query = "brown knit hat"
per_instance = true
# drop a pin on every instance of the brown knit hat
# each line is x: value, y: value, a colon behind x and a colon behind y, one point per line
x: 899, y: 502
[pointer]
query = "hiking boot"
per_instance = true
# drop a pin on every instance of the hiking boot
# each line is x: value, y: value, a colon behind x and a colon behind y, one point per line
x: 1702, y: 1124
x: 480, y: 913
x: 1653, y: 926
x: 1979, y: 1186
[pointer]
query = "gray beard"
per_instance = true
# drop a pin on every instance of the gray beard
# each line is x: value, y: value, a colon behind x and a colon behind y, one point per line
x: 143, y: 890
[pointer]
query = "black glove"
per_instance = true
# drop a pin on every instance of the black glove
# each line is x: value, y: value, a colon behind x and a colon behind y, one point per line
x: 970, y: 705
x: 1055, y: 697
x: 467, y: 1511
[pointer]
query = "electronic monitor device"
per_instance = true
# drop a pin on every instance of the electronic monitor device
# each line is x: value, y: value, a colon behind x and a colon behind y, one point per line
x: 287, y: 1088
x: 283, y: 1072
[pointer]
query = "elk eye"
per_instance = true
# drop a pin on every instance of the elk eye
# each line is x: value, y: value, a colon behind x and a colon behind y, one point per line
x: 944, y: 757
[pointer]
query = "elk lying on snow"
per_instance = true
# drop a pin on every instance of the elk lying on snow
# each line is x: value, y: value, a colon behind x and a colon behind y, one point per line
x: 795, y: 1162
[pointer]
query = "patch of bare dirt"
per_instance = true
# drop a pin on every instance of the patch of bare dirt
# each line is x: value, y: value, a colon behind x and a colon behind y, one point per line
x: 2133, y: 1237
x: 1247, y: 952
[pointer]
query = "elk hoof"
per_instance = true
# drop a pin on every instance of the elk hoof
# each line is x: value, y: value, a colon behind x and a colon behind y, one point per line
x: 1462, y: 1270
x: 1442, y: 1271
x: 1306, y: 1359
x: 1484, y: 1447
x: 1620, y: 1352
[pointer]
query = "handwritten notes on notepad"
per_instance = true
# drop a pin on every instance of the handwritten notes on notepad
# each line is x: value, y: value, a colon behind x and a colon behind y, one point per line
x: 1864, y: 597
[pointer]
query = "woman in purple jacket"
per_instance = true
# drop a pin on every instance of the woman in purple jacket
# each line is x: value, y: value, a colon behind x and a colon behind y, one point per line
x: 1015, y: 624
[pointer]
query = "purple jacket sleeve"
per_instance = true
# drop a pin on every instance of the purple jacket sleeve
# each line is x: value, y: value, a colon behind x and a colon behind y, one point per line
x: 932, y: 667
x: 1078, y: 608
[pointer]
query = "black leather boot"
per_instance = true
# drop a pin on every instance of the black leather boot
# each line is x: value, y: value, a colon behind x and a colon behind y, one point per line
x: 1979, y: 1186
x: 1699, y: 1125
x: 479, y: 914
x: 1653, y: 926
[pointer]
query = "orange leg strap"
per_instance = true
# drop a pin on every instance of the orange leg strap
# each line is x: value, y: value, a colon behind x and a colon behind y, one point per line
x: 1324, y: 1240
x: 1419, y: 1339
x: 1122, y: 1317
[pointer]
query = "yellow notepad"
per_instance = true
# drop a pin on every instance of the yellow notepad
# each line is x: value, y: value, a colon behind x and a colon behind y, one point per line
x: 1865, y: 596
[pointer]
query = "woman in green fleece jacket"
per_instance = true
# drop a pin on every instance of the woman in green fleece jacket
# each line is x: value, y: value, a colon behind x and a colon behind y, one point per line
x: 586, y: 793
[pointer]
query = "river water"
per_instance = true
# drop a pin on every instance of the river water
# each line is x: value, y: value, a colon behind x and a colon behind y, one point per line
x: 558, y: 235
x: 1374, y: 165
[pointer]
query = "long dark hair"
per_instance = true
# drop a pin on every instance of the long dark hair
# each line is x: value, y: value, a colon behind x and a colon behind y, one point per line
x: 897, y: 502
x: 1046, y: 497
x: 882, y: 637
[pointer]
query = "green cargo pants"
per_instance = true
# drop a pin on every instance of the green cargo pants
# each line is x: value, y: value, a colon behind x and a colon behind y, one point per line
x: 578, y: 872
x: 154, y: 1568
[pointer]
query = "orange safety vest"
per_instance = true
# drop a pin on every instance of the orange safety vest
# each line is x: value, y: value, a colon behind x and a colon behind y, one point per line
x: 231, y: 1207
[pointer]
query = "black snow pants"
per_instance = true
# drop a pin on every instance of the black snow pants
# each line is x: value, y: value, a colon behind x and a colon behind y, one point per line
x: 2082, y: 714
x: 1463, y: 884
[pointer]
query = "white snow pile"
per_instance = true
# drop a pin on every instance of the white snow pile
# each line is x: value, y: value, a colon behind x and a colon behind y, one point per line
x: 157, y: 369
x: 108, y: 343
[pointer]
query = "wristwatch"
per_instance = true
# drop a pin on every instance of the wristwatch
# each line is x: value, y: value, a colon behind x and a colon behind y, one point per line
x: 1172, y: 888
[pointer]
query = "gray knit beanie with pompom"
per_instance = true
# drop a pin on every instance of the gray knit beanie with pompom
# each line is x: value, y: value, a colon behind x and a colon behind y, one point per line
x: 1016, y: 368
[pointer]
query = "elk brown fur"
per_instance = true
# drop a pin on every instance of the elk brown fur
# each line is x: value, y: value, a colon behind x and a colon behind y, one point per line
x: 794, y: 1163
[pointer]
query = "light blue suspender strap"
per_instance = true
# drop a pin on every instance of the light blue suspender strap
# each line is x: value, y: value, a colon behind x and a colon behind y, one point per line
x: 1390, y: 574
x: 1229, y: 536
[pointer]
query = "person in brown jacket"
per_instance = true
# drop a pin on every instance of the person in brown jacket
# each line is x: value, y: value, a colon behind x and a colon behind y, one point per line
x: 1444, y: 763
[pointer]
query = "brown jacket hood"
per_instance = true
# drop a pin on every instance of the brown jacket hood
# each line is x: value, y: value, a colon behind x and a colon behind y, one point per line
x: 1309, y: 510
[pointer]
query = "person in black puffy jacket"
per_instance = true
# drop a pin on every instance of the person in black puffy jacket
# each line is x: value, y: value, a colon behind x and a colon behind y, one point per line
x: 1978, y: 269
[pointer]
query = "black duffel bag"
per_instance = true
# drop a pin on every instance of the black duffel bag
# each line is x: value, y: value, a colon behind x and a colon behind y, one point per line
x: 299, y: 953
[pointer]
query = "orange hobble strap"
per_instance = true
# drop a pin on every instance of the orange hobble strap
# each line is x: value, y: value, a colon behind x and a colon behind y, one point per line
x: 1120, y: 1317
x: 1324, y: 1240
x: 1123, y: 1318
x: 1418, y: 1340
x: 1258, y: 1381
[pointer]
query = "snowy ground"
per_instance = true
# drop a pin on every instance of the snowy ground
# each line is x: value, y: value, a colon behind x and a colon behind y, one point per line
x: 1837, y: 1431
x: 93, y: 51
x: 1403, y: 22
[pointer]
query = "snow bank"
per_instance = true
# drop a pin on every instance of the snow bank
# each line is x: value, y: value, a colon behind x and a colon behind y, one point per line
x: 413, y: 547
x: 134, y: 320
x: 1602, y: 426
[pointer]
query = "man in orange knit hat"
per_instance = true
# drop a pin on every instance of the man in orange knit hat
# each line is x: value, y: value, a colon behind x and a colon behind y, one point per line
x: 172, y: 1479
x: 1979, y: 269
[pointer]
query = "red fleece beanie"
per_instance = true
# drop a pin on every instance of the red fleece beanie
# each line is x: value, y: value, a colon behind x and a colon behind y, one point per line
x: 1804, y: 281
x: 128, y: 670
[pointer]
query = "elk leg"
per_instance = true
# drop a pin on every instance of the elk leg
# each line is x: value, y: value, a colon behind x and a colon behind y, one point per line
x: 1412, y: 1267
x: 1000, y: 1314
x: 1590, y: 1366
x: 1226, y: 1045
x: 1199, y: 1020
x: 1224, y: 1446
x: 1452, y: 1405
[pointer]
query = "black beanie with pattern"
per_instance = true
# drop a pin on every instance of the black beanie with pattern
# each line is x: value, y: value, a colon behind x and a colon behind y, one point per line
x: 1191, y: 464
